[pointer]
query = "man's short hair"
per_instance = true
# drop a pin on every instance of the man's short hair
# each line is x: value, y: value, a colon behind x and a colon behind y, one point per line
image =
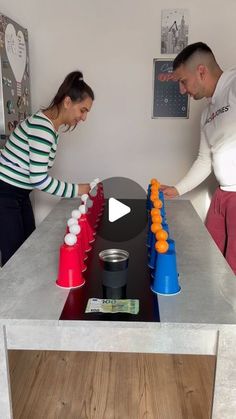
x: 188, y: 51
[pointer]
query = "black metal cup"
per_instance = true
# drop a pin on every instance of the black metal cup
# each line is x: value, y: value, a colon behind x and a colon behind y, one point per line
x: 115, y: 272
x: 114, y: 259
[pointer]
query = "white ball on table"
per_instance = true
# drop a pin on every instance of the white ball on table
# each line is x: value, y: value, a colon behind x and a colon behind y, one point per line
x: 93, y: 191
x: 75, y: 229
x: 89, y: 203
x: 84, y: 197
x: 94, y: 187
x: 82, y: 209
x: 93, y: 184
x: 70, y: 239
x: 71, y: 221
x: 76, y: 214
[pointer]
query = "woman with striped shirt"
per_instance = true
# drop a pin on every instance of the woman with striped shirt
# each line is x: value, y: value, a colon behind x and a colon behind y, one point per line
x: 28, y: 155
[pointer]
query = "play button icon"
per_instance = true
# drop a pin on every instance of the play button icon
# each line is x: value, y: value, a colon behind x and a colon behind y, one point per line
x: 117, y: 210
x: 125, y: 214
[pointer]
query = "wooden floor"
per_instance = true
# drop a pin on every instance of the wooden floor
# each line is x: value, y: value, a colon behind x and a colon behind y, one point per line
x: 69, y: 385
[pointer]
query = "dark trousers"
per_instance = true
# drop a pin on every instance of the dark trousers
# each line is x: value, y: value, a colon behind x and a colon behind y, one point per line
x: 16, y: 219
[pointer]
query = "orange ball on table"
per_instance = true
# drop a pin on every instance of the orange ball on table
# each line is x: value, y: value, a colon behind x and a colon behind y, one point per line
x: 153, y: 197
x: 157, y: 218
x: 161, y: 235
x: 155, y: 188
x: 157, y: 203
x: 156, y: 227
x: 155, y: 211
x: 153, y: 181
x: 157, y: 184
x: 161, y: 246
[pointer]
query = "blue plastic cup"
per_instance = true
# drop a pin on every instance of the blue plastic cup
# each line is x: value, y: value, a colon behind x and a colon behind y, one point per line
x: 148, y: 241
x: 161, y: 196
x: 171, y: 243
x: 165, y: 280
x: 165, y: 227
x: 152, y: 257
x: 164, y: 220
x: 148, y: 201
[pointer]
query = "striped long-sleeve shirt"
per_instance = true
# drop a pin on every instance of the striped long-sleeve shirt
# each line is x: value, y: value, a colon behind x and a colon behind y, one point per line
x: 28, y: 155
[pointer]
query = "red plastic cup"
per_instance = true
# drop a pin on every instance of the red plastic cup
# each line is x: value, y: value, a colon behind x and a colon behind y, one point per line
x: 89, y: 230
x: 85, y: 236
x: 90, y: 218
x: 93, y: 213
x: 70, y: 268
x: 101, y: 191
x: 101, y: 198
x: 82, y: 254
x: 93, y: 194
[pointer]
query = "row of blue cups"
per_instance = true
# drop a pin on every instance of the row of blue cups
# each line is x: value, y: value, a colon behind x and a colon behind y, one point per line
x: 165, y: 277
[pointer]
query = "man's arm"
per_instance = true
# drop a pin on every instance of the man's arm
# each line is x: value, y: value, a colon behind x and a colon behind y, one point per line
x: 199, y: 171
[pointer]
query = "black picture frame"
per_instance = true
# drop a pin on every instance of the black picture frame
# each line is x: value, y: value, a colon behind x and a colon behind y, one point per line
x: 168, y: 102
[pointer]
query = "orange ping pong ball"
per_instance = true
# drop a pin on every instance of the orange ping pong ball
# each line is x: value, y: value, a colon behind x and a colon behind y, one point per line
x: 153, y: 197
x: 153, y: 181
x: 156, y: 218
x: 155, y: 211
x: 157, y: 203
x: 154, y: 187
x: 155, y: 227
x: 162, y: 246
x: 157, y: 184
x: 161, y: 235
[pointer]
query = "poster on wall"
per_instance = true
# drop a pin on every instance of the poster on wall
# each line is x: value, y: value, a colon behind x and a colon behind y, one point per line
x: 174, y: 30
x: 15, y: 103
x: 168, y: 102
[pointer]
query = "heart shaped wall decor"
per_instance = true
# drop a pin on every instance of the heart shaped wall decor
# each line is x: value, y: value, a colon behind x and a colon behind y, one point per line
x: 16, y: 51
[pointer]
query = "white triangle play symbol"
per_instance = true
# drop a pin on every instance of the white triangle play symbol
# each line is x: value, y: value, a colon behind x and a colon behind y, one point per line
x: 117, y: 210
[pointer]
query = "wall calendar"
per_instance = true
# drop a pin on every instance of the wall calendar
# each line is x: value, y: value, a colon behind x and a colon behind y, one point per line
x: 168, y: 102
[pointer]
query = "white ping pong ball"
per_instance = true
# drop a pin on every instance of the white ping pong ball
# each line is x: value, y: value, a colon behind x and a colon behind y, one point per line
x: 71, y: 221
x: 89, y: 203
x: 75, y: 229
x: 93, y: 184
x: 76, y: 214
x: 84, y: 197
x: 70, y: 239
x: 93, y: 192
x: 82, y: 209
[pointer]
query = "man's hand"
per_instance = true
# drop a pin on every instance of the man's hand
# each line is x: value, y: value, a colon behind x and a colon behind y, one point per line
x: 84, y: 188
x: 169, y: 191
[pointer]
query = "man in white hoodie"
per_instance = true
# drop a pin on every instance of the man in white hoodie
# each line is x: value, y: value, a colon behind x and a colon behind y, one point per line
x: 200, y: 76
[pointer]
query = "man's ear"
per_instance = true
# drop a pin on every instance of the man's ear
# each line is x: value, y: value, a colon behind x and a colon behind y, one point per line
x: 202, y: 71
x: 67, y: 102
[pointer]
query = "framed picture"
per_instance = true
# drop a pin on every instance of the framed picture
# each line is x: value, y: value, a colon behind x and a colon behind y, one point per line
x: 174, y: 30
x: 167, y: 99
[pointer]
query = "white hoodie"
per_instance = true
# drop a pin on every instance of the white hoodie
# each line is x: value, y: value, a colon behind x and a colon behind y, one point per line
x: 217, y: 149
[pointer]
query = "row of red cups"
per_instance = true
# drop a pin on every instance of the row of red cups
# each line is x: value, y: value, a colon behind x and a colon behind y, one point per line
x: 80, y: 234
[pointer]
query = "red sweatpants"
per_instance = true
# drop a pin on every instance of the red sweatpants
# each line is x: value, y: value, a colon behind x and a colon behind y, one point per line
x: 221, y: 224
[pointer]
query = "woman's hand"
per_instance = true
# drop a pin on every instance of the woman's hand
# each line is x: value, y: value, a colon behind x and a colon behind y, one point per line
x: 169, y: 191
x: 84, y: 188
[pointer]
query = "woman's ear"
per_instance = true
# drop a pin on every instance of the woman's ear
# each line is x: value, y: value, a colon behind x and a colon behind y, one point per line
x: 67, y: 102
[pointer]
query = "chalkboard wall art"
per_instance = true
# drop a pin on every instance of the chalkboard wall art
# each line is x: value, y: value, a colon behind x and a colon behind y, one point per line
x: 167, y: 99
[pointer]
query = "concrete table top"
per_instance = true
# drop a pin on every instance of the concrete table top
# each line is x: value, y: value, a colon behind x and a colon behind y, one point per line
x: 199, y: 320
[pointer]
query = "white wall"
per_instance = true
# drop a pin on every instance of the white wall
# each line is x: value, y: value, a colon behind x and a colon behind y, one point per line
x: 114, y: 43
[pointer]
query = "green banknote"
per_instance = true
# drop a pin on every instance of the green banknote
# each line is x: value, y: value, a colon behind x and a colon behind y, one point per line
x: 98, y: 305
